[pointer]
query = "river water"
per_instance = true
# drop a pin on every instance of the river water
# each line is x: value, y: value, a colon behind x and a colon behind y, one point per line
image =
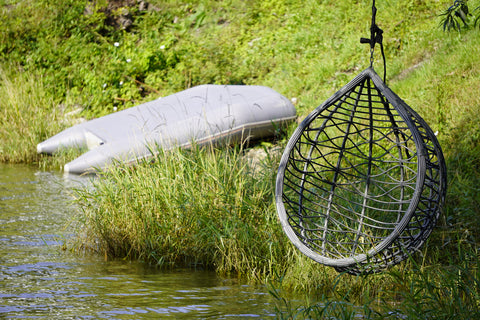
x: 38, y: 279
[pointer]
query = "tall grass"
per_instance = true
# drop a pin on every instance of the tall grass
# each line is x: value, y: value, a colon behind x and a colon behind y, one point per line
x: 28, y: 116
x: 201, y: 207
x: 452, y: 293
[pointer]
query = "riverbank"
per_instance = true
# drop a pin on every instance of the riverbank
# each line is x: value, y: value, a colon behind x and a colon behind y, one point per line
x: 41, y: 280
x: 210, y: 208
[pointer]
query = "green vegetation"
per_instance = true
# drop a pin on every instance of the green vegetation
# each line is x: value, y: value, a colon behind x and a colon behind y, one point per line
x: 209, y: 207
x: 458, y: 15
x: 200, y: 207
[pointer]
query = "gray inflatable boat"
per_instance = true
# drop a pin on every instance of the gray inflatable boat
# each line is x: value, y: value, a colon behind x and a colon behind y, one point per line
x: 203, y: 114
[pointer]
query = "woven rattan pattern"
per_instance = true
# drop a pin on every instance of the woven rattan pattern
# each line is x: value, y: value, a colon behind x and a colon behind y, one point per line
x: 362, y: 180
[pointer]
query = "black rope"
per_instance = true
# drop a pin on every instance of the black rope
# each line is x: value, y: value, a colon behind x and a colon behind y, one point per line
x: 376, y: 36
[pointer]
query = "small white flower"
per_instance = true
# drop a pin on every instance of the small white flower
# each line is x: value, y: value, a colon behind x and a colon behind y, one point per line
x: 116, y: 44
x: 129, y: 60
x: 162, y: 47
x: 104, y: 85
x: 294, y: 100
x: 436, y: 133
x: 120, y: 83
x: 114, y: 109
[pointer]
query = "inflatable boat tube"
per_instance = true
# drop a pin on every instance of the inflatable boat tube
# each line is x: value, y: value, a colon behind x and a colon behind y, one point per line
x: 203, y: 114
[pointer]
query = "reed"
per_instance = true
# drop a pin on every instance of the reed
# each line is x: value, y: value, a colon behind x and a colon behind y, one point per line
x: 416, y: 292
x: 29, y: 115
x: 201, y: 207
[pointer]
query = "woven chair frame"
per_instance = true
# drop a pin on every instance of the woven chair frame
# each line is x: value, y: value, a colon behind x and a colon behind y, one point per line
x: 362, y: 180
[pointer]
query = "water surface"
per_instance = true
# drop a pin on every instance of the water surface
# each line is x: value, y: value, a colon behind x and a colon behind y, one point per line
x: 38, y: 279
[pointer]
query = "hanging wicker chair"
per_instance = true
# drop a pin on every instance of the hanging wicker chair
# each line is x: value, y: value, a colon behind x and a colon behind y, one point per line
x: 362, y: 180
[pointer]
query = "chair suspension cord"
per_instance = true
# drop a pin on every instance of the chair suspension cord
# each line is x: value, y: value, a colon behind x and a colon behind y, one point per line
x: 376, y: 36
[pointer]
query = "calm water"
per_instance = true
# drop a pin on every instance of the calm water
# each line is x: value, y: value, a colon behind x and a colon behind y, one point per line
x: 40, y: 280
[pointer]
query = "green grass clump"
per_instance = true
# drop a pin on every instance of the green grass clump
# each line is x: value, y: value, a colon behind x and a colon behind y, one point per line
x: 29, y: 115
x: 26, y: 117
x: 200, y: 207
x: 427, y: 293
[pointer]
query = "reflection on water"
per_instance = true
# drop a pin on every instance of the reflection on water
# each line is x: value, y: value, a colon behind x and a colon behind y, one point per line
x: 40, y: 280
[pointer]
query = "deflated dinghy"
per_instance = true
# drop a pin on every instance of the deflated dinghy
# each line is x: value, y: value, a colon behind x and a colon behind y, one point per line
x: 203, y: 114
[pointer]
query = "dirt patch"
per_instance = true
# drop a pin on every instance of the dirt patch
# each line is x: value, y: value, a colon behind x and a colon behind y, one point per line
x: 120, y: 13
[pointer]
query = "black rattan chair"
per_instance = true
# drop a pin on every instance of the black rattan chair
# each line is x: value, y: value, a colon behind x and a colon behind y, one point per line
x: 362, y: 180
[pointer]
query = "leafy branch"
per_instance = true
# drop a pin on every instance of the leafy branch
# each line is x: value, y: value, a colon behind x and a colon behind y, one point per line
x: 459, y: 13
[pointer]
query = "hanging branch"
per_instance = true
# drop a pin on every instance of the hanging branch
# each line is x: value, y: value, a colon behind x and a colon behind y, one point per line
x: 457, y: 14
x: 477, y: 19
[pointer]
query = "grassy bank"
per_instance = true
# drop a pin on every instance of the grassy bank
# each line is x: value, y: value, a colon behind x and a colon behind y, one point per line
x: 201, y: 208
x: 29, y: 115
x: 211, y: 208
